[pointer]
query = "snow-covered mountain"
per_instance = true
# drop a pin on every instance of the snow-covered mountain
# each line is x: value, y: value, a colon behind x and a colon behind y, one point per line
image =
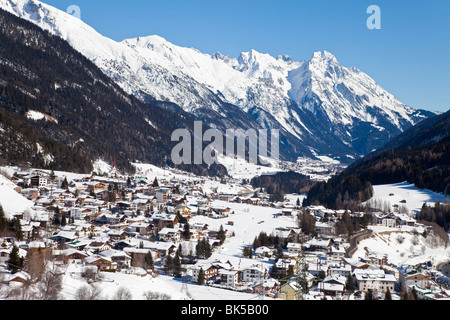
x: 320, y: 106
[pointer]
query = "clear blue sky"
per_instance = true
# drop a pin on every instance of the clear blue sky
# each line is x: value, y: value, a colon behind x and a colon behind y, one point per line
x: 409, y: 56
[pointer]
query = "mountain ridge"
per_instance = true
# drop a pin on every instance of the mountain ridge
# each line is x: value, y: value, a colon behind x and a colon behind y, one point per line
x: 358, y: 114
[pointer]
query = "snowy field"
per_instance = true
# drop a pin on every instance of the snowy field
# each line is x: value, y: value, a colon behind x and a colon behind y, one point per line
x: 11, y: 201
x: 139, y: 285
x: 248, y: 221
x: 414, y: 196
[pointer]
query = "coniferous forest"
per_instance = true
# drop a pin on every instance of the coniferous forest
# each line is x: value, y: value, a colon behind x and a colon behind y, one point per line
x: 88, y: 116
x: 420, y: 156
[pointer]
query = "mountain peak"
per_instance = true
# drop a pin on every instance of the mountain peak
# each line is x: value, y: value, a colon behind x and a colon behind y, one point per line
x: 324, y: 56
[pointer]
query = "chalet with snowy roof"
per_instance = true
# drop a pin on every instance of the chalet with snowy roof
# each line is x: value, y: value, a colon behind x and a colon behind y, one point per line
x: 333, y: 285
x: 39, y: 180
x: 264, y: 251
x: 140, y: 228
x: 110, y: 218
x: 120, y: 258
x: 30, y: 193
x: 163, y: 220
x: 204, y: 202
x: 319, y: 244
x: 117, y: 234
x: 294, y: 248
x: 387, y: 220
x: 101, y: 262
x: 65, y: 236
x: 405, y: 220
x: 69, y: 255
x: 20, y: 276
x: 162, y: 248
x: 339, y: 269
x: 325, y: 229
x: 226, y: 197
x: 184, y: 210
x: 337, y: 252
x: 288, y: 234
x: 317, y: 266
x: 268, y: 287
x: 284, y: 266
x: 356, y: 263
x: 210, y: 271
x: 143, y: 204
x: 170, y: 234
x: 97, y: 246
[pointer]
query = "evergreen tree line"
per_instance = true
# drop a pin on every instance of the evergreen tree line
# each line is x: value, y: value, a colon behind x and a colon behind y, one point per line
x: 265, y: 240
x: 340, y: 192
x: 420, y: 156
x: 203, y: 249
x: 282, y: 183
x: 439, y: 214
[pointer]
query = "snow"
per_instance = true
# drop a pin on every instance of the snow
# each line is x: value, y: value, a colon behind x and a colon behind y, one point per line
x: 36, y: 116
x: 101, y: 166
x: 402, y: 246
x: 414, y: 196
x: 248, y: 220
x: 241, y: 169
x: 139, y: 285
x: 12, y: 201
x: 151, y: 65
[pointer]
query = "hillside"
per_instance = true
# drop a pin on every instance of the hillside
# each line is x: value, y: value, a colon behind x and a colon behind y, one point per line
x: 59, y: 111
x: 321, y: 107
x: 420, y: 156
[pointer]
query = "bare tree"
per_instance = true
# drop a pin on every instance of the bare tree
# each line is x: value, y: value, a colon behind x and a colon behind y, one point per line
x: 150, y: 295
x: 92, y: 292
x: 34, y: 263
x: 123, y: 294
x: 21, y: 292
x: 91, y: 274
x: 50, y: 286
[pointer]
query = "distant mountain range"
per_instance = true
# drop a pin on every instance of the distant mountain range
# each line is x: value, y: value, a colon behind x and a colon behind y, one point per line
x: 420, y: 155
x: 319, y: 106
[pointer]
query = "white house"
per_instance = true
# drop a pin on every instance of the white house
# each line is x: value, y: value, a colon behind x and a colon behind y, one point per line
x: 229, y: 278
x: 254, y: 273
x: 375, y: 279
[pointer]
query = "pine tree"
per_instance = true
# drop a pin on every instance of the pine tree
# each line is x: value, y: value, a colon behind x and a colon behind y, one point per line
x: 369, y: 295
x: 65, y: 184
x: 3, y: 221
x: 387, y: 295
x: 155, y: 183
x: 63, y: 220
x: 177, y: 266
x: 14, y: 263
x: 168, y: 267
x: 17, y: 229
x: 221, y: 234
x: 186, y: 231
x: 248, y: 252
x: 207, y: 248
